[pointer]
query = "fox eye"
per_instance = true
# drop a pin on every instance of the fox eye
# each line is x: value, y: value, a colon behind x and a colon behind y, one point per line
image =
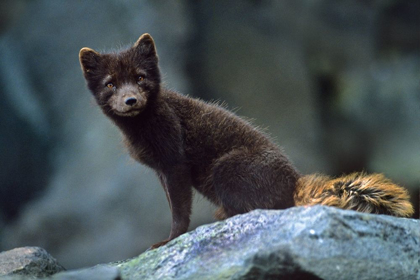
x: 110, y: 85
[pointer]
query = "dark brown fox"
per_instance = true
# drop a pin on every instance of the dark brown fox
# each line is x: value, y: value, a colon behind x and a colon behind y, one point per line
x: 191, y: 143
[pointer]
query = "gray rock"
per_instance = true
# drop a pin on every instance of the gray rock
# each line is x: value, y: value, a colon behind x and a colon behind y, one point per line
x: 298, y: 243
x: 99, y: 272
x: 35, y: 263
x: 29, y: 261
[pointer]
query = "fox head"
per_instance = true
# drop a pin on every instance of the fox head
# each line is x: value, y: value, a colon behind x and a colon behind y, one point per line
x: 123, y: 83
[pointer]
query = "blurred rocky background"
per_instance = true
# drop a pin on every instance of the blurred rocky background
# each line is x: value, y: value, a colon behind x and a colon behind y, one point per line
x: 337, y: 83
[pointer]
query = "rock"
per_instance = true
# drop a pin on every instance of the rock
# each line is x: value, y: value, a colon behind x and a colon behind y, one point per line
x: 31, y: 261
x: 99, y: 272
x: 298, y: 243
x: 34, y: 262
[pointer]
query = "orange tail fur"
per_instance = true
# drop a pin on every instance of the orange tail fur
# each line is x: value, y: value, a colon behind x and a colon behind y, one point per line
x: 358, y: 191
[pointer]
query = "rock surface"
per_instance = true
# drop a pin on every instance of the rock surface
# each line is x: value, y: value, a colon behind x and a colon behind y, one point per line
x: 30, y: 261
x: 298, y: 243
x: 99, y: 272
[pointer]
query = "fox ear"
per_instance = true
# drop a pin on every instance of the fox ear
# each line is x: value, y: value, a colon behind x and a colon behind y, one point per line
x: 89, y: 59
x: 146, y: 46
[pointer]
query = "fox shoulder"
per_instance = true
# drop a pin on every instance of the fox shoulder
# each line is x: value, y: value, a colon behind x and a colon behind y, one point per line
x: 358, y: 191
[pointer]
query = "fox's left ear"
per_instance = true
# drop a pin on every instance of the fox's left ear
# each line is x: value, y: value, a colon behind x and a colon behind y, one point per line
x: 89, y: 59
x: 146, y: 46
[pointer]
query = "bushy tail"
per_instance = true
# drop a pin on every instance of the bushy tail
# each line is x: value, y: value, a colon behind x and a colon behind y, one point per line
x: 358, y: 191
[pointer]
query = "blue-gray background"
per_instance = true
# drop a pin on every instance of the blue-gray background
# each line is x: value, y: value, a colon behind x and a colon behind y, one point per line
x: 337, y: 83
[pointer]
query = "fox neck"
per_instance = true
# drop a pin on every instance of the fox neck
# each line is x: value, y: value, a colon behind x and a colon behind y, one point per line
x: 139, y: 126
x: 153, y: 137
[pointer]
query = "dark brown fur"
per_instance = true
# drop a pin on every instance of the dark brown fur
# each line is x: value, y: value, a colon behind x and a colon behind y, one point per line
x: 188, y: 142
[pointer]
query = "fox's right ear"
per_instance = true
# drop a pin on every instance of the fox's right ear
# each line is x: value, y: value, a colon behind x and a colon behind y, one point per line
x: 146, y: 46
x: 89, y: 59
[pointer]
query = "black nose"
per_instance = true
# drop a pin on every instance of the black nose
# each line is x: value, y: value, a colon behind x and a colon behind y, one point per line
x: 131, y: 101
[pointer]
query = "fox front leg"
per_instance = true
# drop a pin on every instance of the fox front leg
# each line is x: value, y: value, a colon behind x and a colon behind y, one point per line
x: 177, y: 186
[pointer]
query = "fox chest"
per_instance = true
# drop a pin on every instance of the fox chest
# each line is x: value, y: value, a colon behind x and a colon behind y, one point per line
x: 154, y: 153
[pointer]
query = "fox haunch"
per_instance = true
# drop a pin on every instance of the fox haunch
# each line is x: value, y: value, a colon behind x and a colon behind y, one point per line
x: 191, y: 143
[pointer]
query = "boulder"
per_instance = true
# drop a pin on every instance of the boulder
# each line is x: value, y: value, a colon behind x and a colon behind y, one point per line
x: 99, y: 272
x: 29, y: 261
x: 298, y: 243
